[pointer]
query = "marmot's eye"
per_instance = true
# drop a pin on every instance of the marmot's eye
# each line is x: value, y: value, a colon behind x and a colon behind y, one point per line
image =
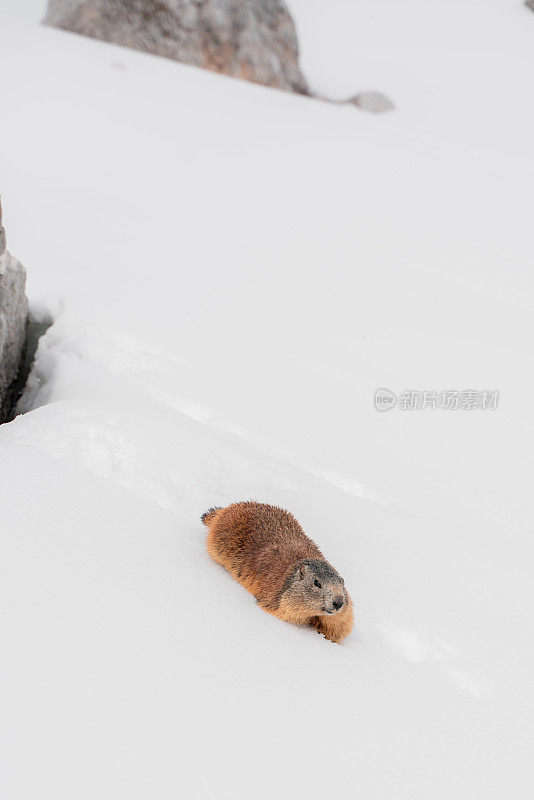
x: 317, y: 583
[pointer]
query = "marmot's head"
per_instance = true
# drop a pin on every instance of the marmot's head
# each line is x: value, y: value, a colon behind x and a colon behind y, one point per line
x: 315, y: 587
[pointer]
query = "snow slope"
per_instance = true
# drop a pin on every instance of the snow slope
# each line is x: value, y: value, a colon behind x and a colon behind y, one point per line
x: 232, y: 272
x: 459, y: 70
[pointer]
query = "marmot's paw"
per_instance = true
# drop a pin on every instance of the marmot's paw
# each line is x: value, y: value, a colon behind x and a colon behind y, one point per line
x: 325, y: 631
x: 331, y: 637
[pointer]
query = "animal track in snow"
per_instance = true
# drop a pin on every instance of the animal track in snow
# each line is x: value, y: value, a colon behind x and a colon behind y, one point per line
x: 162, y: 377
x: 413, y: 647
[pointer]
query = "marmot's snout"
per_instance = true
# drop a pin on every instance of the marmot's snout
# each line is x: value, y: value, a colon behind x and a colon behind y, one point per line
x: 337, y: 604
x: 334, y: 598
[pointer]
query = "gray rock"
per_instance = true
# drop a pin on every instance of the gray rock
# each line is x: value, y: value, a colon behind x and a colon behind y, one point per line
x: 530, y: 4
x: 13, y: 321
x: 251, y: 39
x: 2, y: 234
x: 376, y: 102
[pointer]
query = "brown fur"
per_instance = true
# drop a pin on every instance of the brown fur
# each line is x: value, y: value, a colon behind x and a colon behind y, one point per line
x: 265, y: 549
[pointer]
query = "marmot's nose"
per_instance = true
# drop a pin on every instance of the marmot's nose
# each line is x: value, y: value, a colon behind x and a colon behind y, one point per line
x: 337, y: 602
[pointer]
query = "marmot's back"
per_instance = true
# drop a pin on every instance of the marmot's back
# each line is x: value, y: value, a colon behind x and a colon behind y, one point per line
x: 266, y: 550
x: 258, y: 544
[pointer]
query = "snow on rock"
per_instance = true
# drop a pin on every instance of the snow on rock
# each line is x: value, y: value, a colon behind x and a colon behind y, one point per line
x: 255, y: 40
x: 13, y: 319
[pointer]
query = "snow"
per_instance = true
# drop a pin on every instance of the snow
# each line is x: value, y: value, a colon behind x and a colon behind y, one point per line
x: 456, y: 71
x: 232, y: 271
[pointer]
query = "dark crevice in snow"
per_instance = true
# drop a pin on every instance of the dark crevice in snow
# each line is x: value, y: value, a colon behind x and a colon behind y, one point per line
x: 34, y: 331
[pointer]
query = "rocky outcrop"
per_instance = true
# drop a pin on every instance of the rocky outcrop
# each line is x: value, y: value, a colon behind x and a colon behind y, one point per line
x: 13, y: 321
x: 250, y: 39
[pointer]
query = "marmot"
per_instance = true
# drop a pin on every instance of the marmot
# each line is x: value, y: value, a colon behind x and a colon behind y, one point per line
x: 267, y: 552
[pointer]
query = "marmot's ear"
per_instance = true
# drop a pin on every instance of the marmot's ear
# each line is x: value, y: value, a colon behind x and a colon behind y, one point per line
x: 302, y: 571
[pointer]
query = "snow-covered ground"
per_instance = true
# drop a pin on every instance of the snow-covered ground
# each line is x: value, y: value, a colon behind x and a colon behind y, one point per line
x: 232, y: 272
